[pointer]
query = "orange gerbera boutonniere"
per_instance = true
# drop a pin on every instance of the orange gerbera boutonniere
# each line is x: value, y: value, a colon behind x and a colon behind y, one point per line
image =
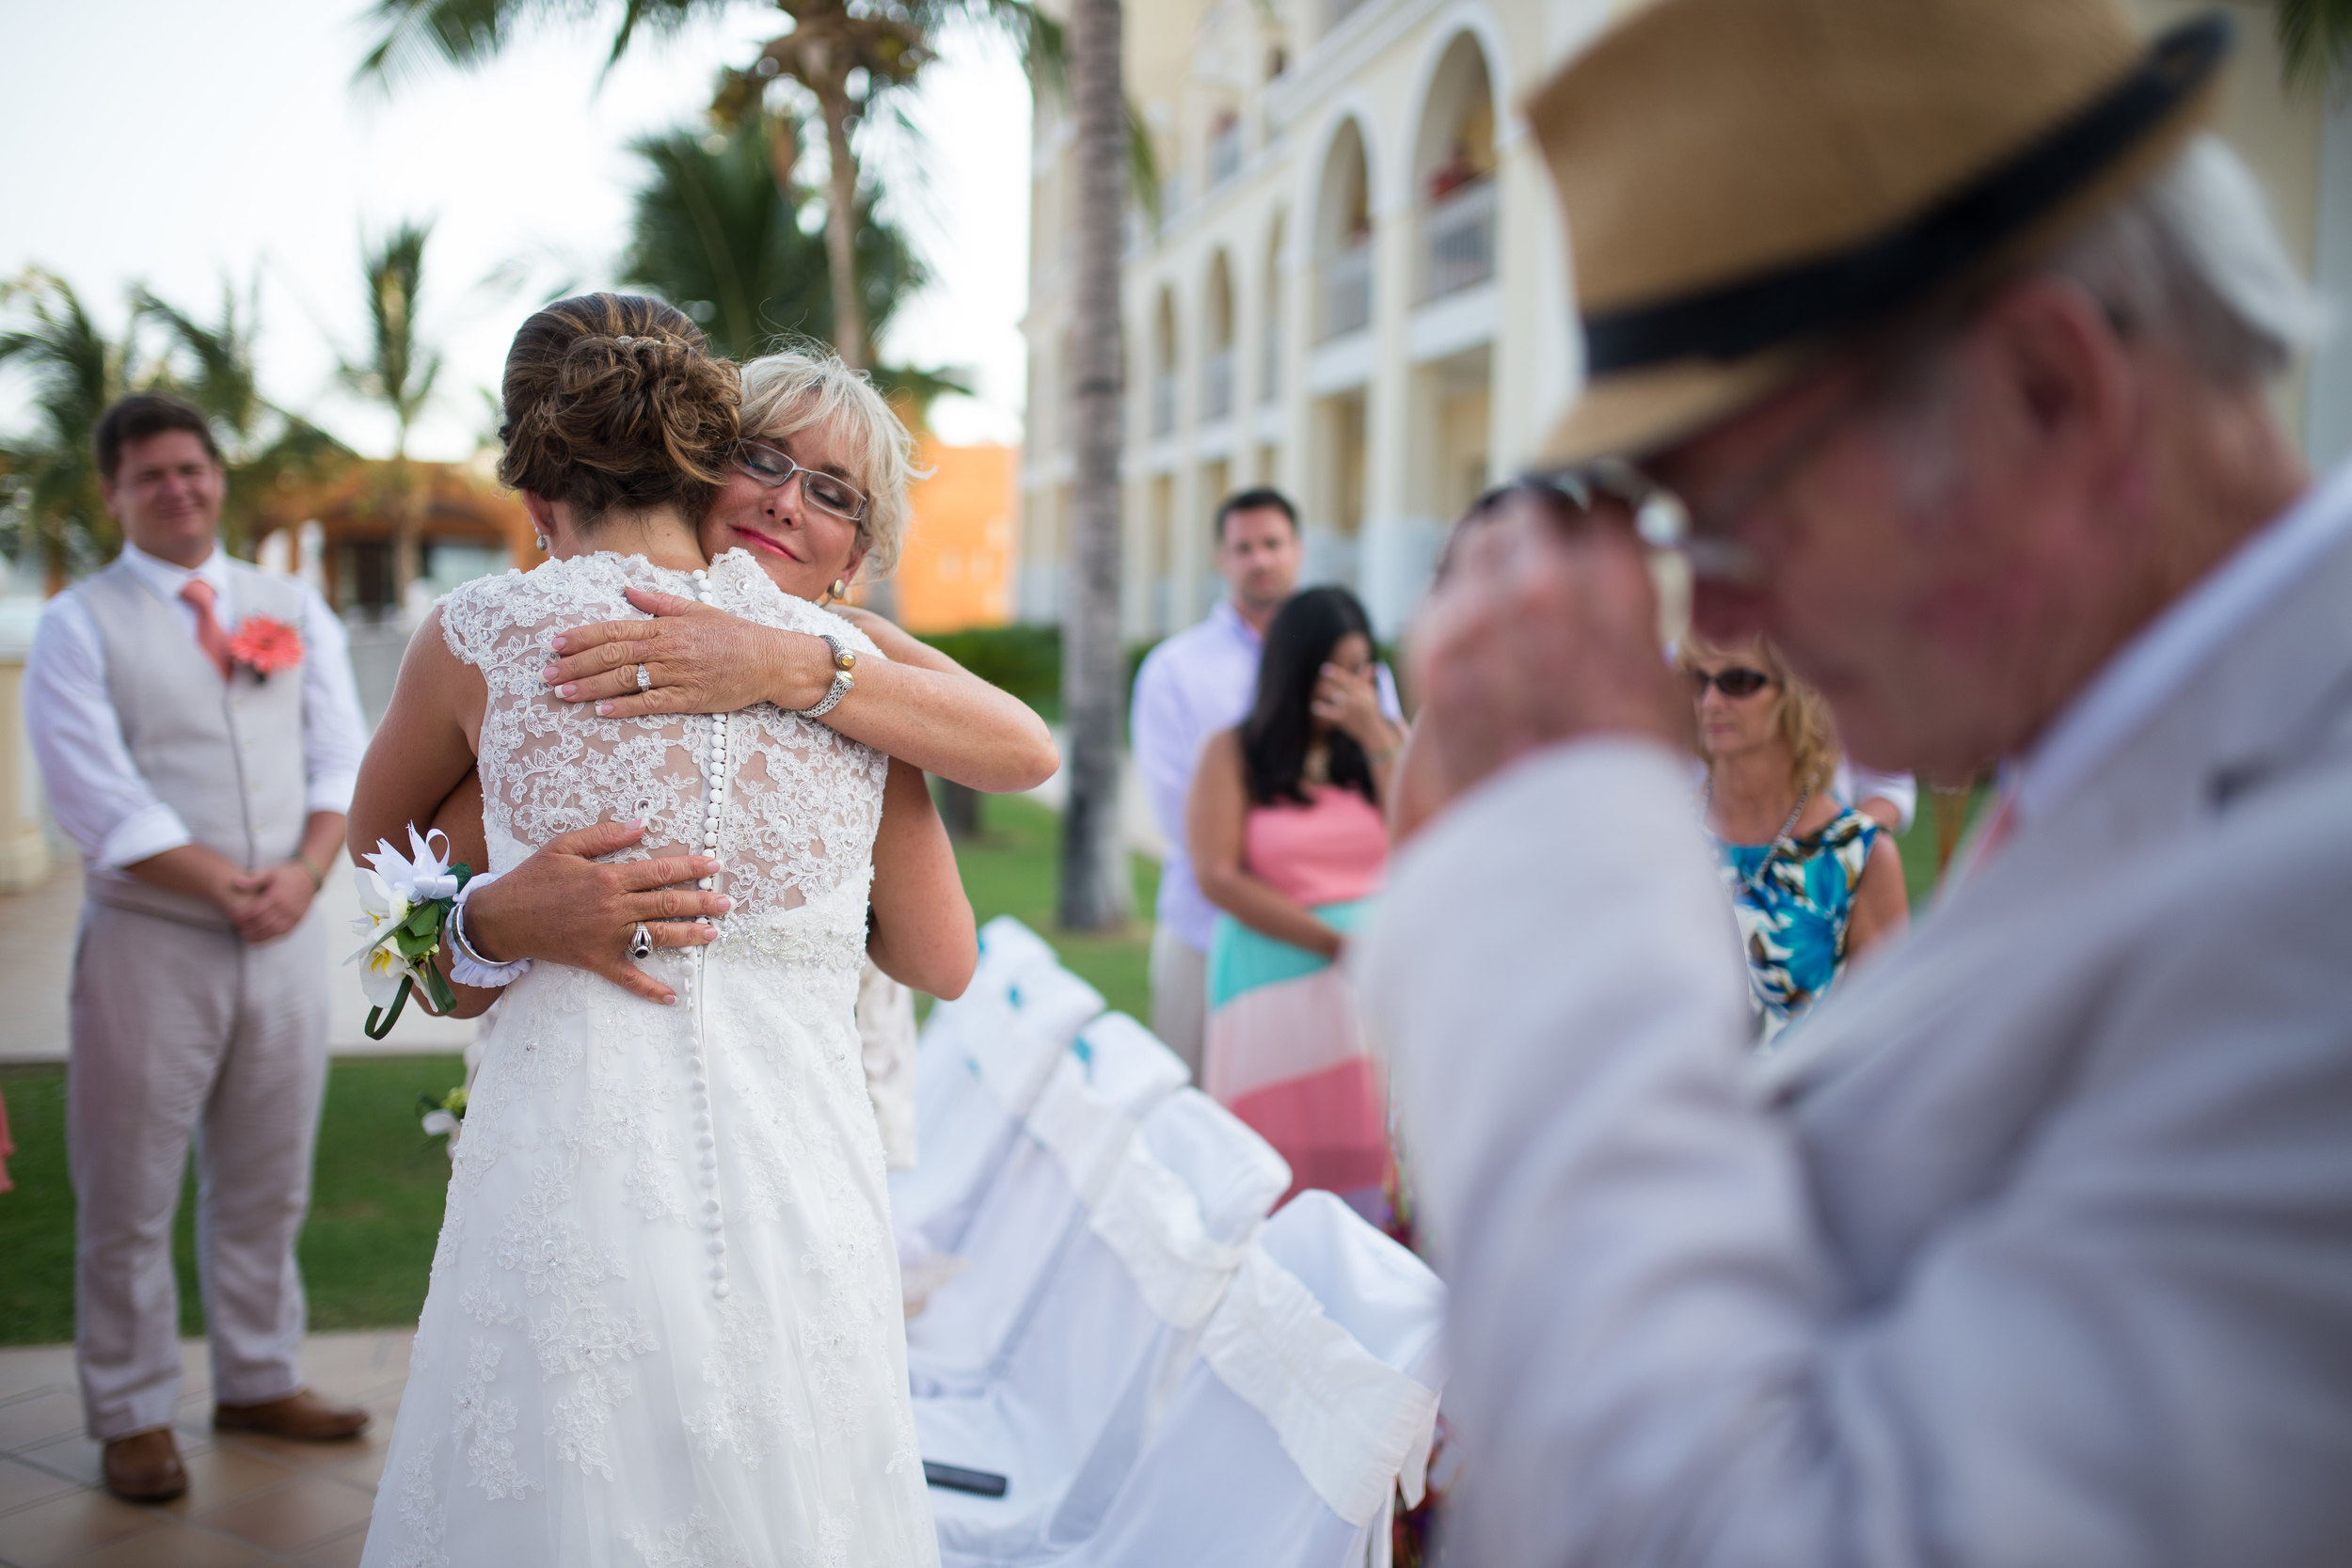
x: 266, y: 647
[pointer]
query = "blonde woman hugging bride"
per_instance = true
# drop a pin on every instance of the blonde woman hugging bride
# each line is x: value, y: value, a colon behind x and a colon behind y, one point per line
x: 663, y: 1321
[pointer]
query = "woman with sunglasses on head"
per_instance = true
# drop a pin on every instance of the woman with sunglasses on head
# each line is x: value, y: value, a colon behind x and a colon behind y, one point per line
x: 1814, y: 883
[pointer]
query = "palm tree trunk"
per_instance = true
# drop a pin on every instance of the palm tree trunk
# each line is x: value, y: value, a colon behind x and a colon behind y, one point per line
x: 848, y: 312
x: 1095, y: 891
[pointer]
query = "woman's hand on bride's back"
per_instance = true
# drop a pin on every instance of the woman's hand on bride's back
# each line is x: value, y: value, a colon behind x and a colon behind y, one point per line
x: 696, y: 659
x: 563, y: 906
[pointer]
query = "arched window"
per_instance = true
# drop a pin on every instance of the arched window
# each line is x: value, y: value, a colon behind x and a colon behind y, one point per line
x: 1343, y: 236
x: 1454, y: 174
x: 1216, y: 360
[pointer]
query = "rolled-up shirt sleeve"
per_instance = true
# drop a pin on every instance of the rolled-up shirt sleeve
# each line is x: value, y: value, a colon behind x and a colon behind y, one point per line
x: 334, y: 734
x: 99, y: 797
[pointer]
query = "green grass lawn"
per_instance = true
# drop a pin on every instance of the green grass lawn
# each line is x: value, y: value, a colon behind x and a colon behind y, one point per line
x: 376, y: 1204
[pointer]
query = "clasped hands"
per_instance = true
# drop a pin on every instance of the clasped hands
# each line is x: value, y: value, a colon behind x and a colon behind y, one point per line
x: 698, y: 660
x: 1544, y: 629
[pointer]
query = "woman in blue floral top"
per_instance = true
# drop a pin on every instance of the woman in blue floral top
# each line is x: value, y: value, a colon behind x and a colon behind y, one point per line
x: 1814, y: 883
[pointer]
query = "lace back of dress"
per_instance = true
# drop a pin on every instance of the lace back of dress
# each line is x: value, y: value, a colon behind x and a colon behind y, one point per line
x: 800, y: 802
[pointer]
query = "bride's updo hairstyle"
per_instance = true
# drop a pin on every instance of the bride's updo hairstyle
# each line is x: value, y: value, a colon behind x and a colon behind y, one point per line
x: 613, y: 403
x: 807, y: 386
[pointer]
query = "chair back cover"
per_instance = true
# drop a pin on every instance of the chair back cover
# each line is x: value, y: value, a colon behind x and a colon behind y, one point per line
x: 1009, y: 951
x: 1003, y: 1070
x: 1112, y: 1075
x: 1286, y: 1435
x: 1111, y: 1332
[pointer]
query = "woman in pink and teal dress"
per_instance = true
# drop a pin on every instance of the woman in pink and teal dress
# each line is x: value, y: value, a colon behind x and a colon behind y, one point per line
x: 1288, y: 839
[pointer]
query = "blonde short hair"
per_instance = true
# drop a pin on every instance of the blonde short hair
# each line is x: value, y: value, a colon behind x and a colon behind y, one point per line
x: 1803, y: 714
x: 806, y: 386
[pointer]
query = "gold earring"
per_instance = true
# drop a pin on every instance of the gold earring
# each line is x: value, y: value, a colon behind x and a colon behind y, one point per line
x: 839, y: 589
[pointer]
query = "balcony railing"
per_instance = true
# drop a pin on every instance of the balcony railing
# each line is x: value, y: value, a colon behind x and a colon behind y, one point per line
x: 1216, y: 384
x: 1348, y: 290
x: 1164, y: 403
x: 1225, y: 153
x: 1461, y: 240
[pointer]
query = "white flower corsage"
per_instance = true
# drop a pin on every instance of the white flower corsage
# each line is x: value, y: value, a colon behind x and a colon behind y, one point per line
x: 408, y: 899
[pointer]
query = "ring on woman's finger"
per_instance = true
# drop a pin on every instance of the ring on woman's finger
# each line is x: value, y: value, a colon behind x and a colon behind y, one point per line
x: 645, y: 681
x: 641, y: 942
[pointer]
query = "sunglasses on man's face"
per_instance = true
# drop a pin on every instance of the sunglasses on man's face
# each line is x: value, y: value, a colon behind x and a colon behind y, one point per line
x: 1734, y: 682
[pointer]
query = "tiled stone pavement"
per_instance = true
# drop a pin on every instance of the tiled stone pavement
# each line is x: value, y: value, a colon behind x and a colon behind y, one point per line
x: 250, y: 1499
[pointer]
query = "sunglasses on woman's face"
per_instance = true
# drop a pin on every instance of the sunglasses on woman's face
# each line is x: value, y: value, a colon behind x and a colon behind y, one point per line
x: 1735, y: 682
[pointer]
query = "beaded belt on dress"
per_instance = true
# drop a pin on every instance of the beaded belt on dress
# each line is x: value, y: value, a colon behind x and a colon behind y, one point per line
x: 828, y: 932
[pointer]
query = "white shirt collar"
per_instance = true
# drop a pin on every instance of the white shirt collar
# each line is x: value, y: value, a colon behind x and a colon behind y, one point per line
x: 2180, y: 641
x: 166, y: 577
x: 1223, y: 611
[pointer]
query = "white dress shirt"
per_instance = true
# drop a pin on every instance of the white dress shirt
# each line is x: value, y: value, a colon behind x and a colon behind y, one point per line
x: 1196, y: 683
x: 98, y: 795
x: 2136, y: 682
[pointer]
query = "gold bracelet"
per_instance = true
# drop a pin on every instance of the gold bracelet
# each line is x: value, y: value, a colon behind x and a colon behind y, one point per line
x: 318, y: 877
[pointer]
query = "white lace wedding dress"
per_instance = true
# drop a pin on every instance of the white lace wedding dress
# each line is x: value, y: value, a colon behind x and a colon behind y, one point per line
x: 664, y: 1327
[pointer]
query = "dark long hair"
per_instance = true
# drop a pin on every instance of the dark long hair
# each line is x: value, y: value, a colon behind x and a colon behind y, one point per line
x: 1280, y: 730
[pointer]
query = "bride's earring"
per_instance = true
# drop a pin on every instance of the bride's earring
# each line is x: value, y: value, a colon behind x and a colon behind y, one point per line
x: 542, y: 542
x: 839, y: 589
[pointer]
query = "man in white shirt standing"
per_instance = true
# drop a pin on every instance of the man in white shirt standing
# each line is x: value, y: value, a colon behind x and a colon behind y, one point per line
x: 198, y: 729
x: 1952, y: 334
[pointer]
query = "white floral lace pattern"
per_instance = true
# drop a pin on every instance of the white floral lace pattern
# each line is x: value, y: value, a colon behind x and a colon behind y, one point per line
x: 663, y: 1311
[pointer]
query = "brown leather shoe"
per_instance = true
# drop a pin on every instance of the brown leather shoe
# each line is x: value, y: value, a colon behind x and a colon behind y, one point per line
x: 145, y: 1466
x: 301, y: 1415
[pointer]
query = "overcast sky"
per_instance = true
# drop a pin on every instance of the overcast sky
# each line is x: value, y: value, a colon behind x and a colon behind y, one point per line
x: 172, y: 144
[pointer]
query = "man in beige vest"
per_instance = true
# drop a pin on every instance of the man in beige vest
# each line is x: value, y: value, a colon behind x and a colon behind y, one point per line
x: 1950, y: 335
x: 206, y: 791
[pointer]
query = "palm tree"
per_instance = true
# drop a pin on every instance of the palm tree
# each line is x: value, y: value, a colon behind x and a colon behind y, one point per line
x: 846, y: 55
x: 1095, y: 892
x: 398, y: 371
x: 713, y: 232
x: 264, y: 447
x: 53, y: 473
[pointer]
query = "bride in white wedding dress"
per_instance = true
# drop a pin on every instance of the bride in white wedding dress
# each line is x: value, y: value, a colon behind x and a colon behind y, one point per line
x: 663, y: 1323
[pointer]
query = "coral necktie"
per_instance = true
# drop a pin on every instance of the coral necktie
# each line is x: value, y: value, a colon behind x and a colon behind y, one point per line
x: 208, y: 636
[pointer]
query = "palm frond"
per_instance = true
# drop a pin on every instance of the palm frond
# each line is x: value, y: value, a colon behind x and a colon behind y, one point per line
x: 2316, y: 38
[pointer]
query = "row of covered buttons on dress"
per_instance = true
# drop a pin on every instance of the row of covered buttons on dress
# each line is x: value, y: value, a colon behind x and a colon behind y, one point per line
x: 705, y: 1132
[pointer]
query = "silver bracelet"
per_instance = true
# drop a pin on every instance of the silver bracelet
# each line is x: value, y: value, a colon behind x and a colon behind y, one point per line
x: 467, y: 966
x: 844, y: 660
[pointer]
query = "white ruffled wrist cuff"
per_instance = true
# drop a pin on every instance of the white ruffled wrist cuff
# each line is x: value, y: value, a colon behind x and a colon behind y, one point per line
x: 467, y: 967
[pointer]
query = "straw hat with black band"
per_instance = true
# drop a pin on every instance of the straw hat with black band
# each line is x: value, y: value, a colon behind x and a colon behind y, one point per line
x: 1747, y: 184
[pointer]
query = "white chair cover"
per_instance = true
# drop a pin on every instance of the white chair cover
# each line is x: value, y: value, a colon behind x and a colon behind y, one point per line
x: 972, y: 1127
x: 1284, y: 1441
x: 1116, y: 1325
x: 1009, y: 951
x: 1113, y: 1075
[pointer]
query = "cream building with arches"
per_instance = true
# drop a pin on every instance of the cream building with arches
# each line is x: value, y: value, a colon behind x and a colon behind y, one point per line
x: 1355, y: 288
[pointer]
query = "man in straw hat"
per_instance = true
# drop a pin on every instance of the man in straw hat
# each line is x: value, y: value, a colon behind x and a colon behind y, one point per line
x: 1949, y: 331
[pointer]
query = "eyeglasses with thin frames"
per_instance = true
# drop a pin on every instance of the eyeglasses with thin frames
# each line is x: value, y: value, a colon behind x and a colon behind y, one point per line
x: 775, y: 468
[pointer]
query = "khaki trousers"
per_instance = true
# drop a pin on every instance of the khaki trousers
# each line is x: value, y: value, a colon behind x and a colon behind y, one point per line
x: 183, y: 1034
x: 1180, y: 996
